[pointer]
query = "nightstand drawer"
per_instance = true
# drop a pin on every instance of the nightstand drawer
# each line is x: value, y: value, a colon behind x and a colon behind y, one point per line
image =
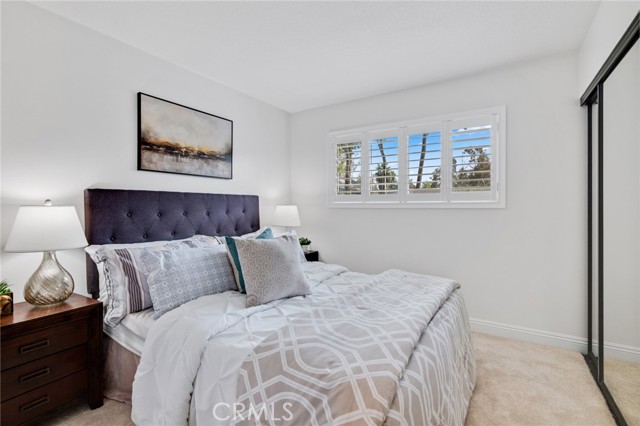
x: 31, y: 404
x: 40, y: 343
x: 26, y: 377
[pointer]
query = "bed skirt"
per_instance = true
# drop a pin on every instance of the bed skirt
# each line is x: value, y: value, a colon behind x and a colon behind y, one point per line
x: 120, y: 365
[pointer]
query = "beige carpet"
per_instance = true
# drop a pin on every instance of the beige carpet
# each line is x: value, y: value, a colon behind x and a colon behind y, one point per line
x: 623, y: 381
x: 519, y: 384
x: 523, y: 383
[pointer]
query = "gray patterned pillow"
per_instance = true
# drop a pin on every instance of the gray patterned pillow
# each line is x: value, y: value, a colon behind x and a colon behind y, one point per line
x: 271, y: 269
x: 178, y: 276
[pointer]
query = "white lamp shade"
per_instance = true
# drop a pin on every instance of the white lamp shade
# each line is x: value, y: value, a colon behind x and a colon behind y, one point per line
x: 50, y: 228
x: 286, y: 216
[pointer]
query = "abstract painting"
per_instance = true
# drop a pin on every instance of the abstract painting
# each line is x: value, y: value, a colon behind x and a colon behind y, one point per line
x: 173, y: 138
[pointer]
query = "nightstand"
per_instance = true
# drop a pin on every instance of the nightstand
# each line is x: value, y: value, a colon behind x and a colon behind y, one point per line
x: 50, y: 357
x: 311, y: 256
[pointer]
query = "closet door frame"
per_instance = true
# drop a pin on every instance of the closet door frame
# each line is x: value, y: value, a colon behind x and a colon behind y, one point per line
x: 592, y: 96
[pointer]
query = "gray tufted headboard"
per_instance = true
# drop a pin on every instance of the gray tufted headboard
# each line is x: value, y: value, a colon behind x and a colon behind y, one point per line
x: 116, y: 216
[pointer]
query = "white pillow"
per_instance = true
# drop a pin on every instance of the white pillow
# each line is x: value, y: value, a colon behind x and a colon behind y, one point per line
x: 221, y: 238
x: 93, y: 248
x: 300, y: 251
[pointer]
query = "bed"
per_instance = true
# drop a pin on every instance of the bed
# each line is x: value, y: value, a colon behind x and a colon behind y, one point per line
x: 392, y: 348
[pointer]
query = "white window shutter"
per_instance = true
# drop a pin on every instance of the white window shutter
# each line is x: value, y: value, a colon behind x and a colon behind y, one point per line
x: 383, y: 166
x: 346, y: 179
x: 456, y: 160
x: 472, y: 146
x: 424, y: 162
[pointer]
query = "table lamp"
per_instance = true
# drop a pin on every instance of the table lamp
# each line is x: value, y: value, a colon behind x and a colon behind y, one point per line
x: 286, y: 216
x: 47, y: 228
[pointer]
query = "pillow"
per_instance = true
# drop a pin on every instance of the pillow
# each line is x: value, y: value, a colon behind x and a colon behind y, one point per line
x: 233, y: 254
x: 93, y: 248
x: 92, y: 251
x: 178, y: 276
x: 300, y: 251
x: 254, y: 234
x: 271, y: 269
x: 125, y: 277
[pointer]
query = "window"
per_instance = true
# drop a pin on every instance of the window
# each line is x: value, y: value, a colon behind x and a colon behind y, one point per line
x: 383, y: 165
x: 348, y: 162
x: 450, y: 161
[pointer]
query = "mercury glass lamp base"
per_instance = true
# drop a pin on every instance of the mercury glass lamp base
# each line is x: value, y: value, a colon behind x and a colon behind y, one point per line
x: 50, y: 284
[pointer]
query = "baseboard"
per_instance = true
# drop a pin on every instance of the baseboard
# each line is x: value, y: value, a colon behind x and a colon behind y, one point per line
x: 564, y: 341
x: 623, y: 352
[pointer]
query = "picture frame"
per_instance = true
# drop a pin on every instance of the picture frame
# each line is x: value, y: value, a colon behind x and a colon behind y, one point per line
x: 174, y: 138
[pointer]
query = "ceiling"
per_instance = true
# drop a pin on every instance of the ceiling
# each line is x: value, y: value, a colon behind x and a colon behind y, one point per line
x: 304, y: 54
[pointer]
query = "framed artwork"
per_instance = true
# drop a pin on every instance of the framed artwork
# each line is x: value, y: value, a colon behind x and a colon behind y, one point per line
x: 173, y: 138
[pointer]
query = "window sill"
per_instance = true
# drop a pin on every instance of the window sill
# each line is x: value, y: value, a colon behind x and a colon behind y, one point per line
x: 419, y: 205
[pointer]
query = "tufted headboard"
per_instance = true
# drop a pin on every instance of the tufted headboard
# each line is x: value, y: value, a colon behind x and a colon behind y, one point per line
x: 116, y: 216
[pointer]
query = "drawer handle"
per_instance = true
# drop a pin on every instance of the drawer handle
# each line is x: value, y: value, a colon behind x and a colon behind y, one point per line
x: 34, y: 404
x: 35, y: 375
x: 34, y: 346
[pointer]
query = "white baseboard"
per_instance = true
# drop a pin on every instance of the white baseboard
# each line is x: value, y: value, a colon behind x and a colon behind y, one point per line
x: 623, y: 352
x: 564, y: 341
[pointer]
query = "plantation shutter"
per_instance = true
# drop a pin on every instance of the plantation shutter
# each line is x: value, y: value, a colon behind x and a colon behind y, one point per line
x: 383, y: 166
x: 452, y: 161
x: 473, y: 155
x: 424, y: 162
x: 347, y: 157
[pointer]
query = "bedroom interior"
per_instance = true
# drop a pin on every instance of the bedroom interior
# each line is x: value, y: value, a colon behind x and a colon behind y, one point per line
x: 544, y: 242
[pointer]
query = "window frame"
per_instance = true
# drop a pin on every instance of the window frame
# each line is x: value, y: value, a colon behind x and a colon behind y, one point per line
x: 446, y: 197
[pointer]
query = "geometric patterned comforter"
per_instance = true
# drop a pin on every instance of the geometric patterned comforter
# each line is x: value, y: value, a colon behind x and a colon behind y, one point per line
x: 341, y: 361
x: 392, y: 348
x: 438, y: 382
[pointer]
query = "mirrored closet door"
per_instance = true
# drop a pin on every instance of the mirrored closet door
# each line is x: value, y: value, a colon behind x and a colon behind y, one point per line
x: 613, y: 110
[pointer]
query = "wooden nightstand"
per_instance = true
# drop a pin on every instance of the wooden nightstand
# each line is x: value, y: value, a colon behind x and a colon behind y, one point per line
x: 311, y: 256
x: 50, y: 357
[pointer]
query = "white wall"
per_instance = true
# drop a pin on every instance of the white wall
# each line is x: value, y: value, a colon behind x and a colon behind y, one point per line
x: 609, y: 24
x: 525, y: 265
x: 69, y: 123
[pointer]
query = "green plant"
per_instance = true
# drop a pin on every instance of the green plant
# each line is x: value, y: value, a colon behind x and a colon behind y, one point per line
x: 304, y: 241
x: 4, y: 287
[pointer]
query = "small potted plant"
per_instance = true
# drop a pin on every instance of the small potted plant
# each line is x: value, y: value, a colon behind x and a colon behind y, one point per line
x: 305, y: 243
x: 6, y: 298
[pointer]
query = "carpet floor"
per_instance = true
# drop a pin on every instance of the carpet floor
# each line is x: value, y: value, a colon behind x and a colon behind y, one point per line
x: 525, y: 384
x: 623, y: 381
x: 519, y: 384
